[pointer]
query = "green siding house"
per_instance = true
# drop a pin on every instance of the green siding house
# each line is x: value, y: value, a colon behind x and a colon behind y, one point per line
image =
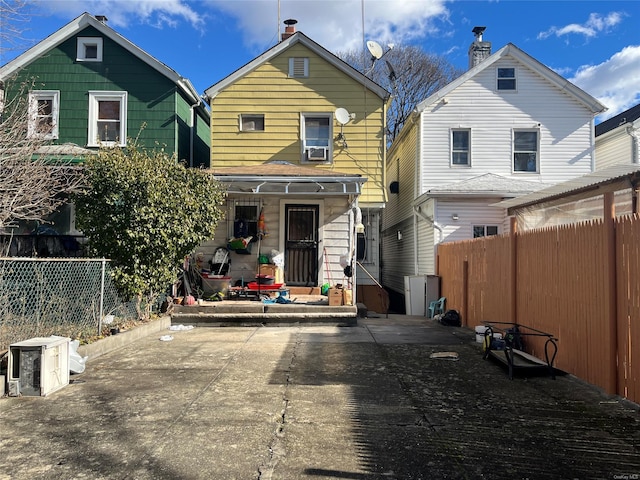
x: 93, y: 87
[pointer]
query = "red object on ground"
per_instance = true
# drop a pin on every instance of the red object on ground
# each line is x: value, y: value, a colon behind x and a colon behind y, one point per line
x: 256, y: 286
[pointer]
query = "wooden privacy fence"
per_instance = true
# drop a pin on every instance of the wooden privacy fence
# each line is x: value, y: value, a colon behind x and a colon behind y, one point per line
x: 580, y: 282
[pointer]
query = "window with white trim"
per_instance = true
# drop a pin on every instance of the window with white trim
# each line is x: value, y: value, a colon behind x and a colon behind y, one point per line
x: 245, y: 219
x: 506, y: 78
x: 89, y: 49
x: 44, y: 108
x: 525, y: 151
x: 298, y: 67
x: 251, y: 122
x: 316, y: 130
x: 461, y: 147
x: 107, y: 119
x: 484, y: 230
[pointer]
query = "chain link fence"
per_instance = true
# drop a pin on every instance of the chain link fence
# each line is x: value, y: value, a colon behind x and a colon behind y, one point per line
x: 58, y: 296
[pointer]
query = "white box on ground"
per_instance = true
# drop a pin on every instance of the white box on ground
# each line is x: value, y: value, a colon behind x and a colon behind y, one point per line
x: 38, y: 366
x: 480, y: 331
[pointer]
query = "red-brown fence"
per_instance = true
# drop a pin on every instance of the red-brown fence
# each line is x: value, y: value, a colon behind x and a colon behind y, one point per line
x: 579, y: 282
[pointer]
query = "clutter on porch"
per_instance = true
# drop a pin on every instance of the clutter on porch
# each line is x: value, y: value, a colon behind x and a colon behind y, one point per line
x: 211, y: 280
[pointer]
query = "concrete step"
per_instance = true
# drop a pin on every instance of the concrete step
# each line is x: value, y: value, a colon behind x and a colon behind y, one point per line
x: 251, y: 313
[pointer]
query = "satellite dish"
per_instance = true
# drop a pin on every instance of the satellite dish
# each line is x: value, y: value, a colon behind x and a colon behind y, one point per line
x: 374, y: 49
x: 342, y: 116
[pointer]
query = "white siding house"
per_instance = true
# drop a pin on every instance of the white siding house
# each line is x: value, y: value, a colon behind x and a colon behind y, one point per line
x: 506, y: 127
x: 618, y: 139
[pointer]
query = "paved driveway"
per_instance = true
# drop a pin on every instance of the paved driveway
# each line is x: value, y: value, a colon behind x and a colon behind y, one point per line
x: 320, y: 402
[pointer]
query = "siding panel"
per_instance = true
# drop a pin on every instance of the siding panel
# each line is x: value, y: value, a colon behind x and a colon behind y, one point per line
x: 269, y: 90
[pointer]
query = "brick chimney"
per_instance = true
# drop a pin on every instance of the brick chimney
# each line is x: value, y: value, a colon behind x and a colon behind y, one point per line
x: 290, y: 28
x: 478, y: 50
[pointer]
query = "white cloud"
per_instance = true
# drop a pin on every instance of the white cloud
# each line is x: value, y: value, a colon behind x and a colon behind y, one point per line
x: 335, y: 24
x: 591, y: 28
x: 613, y: 82
x: 156, y: 13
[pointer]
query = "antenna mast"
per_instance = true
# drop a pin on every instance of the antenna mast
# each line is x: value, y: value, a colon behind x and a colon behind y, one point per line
x: 278, y: 39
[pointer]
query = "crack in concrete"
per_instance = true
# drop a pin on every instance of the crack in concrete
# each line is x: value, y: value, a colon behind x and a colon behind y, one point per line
x: 276, y: 448
x: 143, y: 459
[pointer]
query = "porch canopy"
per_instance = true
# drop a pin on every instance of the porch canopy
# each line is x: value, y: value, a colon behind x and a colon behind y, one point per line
x: 277, y: 177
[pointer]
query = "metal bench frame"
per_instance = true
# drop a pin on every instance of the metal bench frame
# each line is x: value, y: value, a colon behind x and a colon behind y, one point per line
x: 508, y: 353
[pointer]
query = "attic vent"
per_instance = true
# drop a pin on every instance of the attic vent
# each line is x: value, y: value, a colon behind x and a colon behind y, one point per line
x: 298, y: 67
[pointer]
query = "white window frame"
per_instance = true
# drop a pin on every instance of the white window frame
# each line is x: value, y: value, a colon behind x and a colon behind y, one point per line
x: 83, y: 43
x: 94, y: 98
x: 515, y: 152
x: 237, y: 205
x: 245, y: 119
x: 454, y: 151
x: 505, y: 79
x: 296, y: 64
x: 34, y: 115
x: 484, y: 230
x: 313, y: 142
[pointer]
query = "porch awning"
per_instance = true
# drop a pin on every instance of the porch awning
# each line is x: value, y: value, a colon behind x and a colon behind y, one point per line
x: 284, y: 178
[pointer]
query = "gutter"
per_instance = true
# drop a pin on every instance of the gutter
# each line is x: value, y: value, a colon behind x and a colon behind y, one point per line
x: 287, y: 179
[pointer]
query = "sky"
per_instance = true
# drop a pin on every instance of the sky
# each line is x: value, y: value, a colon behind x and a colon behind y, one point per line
x: 593, y: 44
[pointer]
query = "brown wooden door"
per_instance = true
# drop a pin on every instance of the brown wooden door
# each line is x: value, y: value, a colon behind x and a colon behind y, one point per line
x: 301, y: 245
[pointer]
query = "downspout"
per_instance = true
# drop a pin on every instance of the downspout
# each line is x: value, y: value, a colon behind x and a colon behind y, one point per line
x: 432, y: 221
x: 417, y: 190
x: 632, y: 131
x: 194, y: 128
x: 192, y: 108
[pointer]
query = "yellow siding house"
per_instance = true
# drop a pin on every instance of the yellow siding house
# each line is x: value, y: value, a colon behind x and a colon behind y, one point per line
x: 298, y: 136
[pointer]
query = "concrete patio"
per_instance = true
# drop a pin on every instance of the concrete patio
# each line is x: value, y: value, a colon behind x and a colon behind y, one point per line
x: 377, y: 400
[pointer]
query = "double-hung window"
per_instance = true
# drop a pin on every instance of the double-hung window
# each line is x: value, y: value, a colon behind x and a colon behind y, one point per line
x: 44, y: 106
x: 506, y: 79
x: 525, y: 151
x: 107, y: 119
x: 316, y: 137
x: 461, y: 147
x: 484, y: 230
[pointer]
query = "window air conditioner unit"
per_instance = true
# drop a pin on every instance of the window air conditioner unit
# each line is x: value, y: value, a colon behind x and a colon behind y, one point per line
x: 38, y: 366
x: 317, y: 154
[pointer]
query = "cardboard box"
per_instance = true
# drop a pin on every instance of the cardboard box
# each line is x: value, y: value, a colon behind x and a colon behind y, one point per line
x: 275, y: 272
x: 335, y: 296
x: 347, y: 296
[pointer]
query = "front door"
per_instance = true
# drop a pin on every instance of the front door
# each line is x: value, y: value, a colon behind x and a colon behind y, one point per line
x: 301, y: 245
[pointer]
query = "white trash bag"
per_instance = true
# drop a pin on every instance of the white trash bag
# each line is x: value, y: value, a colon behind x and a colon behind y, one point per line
x: 76, y: 362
